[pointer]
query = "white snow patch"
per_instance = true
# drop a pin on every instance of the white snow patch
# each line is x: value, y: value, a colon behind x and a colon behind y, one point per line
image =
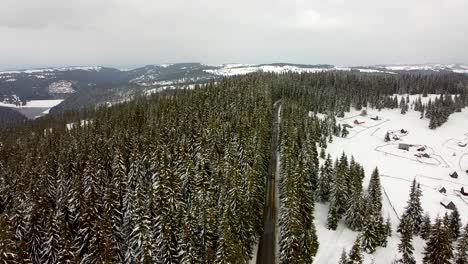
x: 35, y: 103
x: 61, y: 87
x: 398, y: 168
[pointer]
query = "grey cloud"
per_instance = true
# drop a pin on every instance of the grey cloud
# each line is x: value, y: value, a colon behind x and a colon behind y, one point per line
x: 110, y: 32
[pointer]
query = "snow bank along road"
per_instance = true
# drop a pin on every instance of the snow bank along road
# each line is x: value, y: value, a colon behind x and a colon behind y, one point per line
x: 266, y: 253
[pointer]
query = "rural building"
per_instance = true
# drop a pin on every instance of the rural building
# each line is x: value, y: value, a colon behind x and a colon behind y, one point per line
x: 448, y: 204
x: 404, y: 146
x: 356, y: 122
x: 462, y: 191
x: 422, y: 148
x: 454, y: 174
x: 442, y: 190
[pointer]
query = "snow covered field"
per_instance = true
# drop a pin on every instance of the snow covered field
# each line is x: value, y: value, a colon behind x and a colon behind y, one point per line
x: 397, y: 169
x: 35, y: 108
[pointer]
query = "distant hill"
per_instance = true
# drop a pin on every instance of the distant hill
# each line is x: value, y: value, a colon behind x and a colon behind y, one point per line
x: 9, y: 116
x: 91, y: 86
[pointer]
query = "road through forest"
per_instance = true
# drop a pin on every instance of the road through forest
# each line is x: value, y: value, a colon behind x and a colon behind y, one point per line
x: 266, y: 253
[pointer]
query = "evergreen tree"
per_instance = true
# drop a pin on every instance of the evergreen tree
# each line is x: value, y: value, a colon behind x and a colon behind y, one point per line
x: 439, y: 247
x: 375, y: 191
x: 356, y: 213
x: 426, y: 227
x: 326, y: 180
x: 461, y: 256
x: 332, y: 219
x: 343, y: 258
x: 369, y: 235
x: 455, y: 224
x: 355, y: 255
x: 413, y: 210
x: 405, y: 247
x: 344, y: 132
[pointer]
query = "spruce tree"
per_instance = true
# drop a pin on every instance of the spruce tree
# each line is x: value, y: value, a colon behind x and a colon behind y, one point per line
x: 375, y: 191
x: 405, y: 247
x: 438, y: 249
x: 371, y: 236
x: 355, y: 255
x: 344, y: 132
x: 461, y: 256
x: 426, y: 227
x: 332, y: 219
x: 413, y: 209
x: 356, y: 213
x: 343, y: 257
x: 326, y: 180
x: 455, y: 223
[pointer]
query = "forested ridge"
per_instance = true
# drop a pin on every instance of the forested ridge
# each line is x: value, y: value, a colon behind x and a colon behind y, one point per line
x: 181, y: 178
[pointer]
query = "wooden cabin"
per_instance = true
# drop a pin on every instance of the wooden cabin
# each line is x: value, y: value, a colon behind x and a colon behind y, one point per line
x: 462, y: 191
x: 404, y: 146
x: 448, y: 204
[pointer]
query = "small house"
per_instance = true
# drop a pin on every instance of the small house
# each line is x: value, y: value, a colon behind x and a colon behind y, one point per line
x: 448, y: 204
x: 404, y: 146
x: 442, y: 190
x: 356, y: 122
x: 454, y: 174
x: 462, y: 191
x: 422, y: 148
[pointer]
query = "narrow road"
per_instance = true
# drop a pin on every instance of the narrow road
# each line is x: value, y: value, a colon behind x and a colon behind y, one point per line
x: 266, y: 253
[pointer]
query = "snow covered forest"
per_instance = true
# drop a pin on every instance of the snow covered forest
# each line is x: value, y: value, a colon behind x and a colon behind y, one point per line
x: 180, y: 177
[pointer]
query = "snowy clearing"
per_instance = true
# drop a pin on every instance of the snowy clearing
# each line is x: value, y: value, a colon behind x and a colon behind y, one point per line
x: 35, y: 103
x: 398, y: 167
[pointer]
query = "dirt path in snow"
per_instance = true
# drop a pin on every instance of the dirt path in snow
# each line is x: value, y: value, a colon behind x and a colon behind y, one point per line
x: 266, y: 253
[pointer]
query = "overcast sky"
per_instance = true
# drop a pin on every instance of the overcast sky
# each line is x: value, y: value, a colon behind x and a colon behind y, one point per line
x: 136, y: 32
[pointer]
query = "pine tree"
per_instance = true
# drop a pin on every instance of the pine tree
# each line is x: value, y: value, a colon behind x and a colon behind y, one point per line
x: 438, y: 249
x: 340, y: 190
x: 461, y: 256
x: 405, y: 247
x: 356, y: 214
x: 355, y: 255
x: 325, y: 181
x: 388, y: 227
x: 426, y: 227
x: 375, y: 191
x: 344, y: 132
x: 343, y: 258
x: 370, y: 233
x: 332, y: 219
x: 322, y: 153
x: 413, y: 210
x: 387, y: 137
x: 8, y: 250
x: 455, y: 223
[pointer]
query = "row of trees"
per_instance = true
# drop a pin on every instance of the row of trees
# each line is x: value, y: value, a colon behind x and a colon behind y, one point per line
x: 341, y: 185
x: 298, y: 182
x: 440, y: 236
x: 177, y: 179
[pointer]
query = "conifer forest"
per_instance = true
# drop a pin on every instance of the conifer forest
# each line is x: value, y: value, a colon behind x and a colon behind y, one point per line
x: 182, y: 176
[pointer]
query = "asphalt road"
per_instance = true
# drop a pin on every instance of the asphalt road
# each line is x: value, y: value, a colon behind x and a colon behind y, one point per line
x: 266, y: 253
